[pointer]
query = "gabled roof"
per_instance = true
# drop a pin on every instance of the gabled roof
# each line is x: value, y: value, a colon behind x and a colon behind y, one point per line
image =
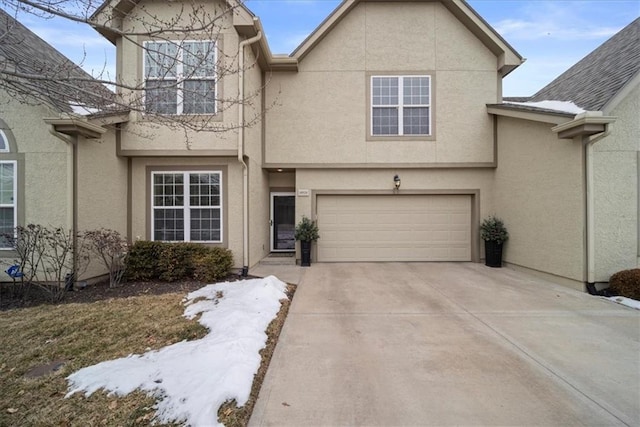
x: 108, y: 13
x: 508, y: 57
x: 596, y: 79
x: 54, y: 78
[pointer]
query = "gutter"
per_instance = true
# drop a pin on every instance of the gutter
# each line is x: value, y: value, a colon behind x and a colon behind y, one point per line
x: 245, y: 172
x: 591, y: 126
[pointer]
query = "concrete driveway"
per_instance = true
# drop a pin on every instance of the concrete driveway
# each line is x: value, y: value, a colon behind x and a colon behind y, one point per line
x: 403, y: 344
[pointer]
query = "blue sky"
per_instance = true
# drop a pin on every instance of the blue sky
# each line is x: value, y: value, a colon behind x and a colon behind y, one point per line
x: 551, y: 34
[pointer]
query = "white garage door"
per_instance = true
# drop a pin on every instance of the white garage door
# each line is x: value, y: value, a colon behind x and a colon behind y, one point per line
x: 394, y: 228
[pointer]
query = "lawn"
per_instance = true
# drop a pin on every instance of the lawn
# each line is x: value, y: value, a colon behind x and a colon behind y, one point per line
x: 83, y: 334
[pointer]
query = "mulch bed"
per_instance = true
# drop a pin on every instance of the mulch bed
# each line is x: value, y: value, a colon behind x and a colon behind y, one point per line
x: 9, y: 298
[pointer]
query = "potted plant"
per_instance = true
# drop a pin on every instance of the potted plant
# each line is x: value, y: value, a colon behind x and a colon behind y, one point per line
x: 494, y: 234
x: 306, y: 232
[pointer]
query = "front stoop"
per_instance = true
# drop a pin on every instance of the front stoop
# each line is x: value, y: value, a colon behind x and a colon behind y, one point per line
x: 279, y: 258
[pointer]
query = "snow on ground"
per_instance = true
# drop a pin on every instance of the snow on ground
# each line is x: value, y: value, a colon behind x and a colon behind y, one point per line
x: 193, y: 379
x: 564, y: 106
x: 626, y: 301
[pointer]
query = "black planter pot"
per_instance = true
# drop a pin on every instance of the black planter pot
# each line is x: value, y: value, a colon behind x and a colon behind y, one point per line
x: 306, y: 253
x: 493, y: 253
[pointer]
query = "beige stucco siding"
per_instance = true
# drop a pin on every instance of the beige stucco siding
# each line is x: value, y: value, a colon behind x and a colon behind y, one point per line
x: 615, y: 161
x: 144, y: 134
x: 43, y: 168
x: 45, y: 160
x: 539, y: 192
x: 321, y: 113
x: 232, y: 202
x: 102, y: 190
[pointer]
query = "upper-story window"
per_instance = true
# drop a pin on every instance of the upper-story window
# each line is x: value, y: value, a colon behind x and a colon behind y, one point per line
x: 180, y: 77
x: 400, y: 105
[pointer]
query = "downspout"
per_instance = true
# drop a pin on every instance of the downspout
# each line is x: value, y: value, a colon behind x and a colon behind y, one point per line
x: 590, y: 209
x: 245, y: 173
x: 72, y: 141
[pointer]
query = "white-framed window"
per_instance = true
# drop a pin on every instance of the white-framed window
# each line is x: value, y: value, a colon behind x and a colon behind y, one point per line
x: 4, y: 142
x: 8, y: 202
x: 400, y: 105
x: 180, y: 77
x: 186, y: 206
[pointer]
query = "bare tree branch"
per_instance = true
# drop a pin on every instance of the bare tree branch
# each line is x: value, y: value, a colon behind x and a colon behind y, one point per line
x: 184, y: 63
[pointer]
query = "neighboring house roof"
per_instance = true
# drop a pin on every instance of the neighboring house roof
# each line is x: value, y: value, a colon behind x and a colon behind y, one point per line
x: 532, y: 109
x: 509, y: 58
x: 53, y: 78
x: 516, y: 98
x: 596, y: 79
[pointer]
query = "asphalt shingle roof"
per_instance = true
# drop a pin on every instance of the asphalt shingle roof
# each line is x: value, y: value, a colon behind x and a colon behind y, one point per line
x: 598, y: 77
x: 59, y: 81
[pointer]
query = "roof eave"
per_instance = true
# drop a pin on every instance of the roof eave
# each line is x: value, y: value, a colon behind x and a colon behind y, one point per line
x: 75, y: 127
x: 530, y: 113
x: 508, y: 58
x: 584, y: 124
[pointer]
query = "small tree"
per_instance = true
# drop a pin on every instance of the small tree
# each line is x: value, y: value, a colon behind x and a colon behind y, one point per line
x: 492, y: 229
x: 306, y: 230
x: 111, y: 248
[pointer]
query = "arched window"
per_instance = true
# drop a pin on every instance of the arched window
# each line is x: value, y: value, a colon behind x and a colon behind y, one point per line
x: 4, y: 142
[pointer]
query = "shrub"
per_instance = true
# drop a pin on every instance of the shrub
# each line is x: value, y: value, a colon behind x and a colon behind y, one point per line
x: 143, y: 261
x: 111, y: 249
x: 50, y: 258
x: 213, y: 266
x: 176, y: 260
x: 493, y: 229
x: 306, y: 230
x: 626, y: 283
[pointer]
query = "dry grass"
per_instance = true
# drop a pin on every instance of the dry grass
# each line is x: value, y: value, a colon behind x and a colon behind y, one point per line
x: 85, y: 334
x: 82, y: 335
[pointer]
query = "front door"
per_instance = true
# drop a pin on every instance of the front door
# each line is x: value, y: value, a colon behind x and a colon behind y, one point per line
x: 283, y: 213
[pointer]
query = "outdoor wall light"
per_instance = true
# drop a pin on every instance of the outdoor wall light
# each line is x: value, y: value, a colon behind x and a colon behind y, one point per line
x: 396, y: 182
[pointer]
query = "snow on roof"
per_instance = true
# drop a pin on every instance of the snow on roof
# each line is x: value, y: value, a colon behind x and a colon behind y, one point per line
x: 192, y: 379
x: 83, y: 110
x: 563, y: 106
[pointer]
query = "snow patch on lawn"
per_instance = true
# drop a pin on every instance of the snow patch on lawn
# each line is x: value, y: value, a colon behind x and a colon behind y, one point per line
x: 563, y: 106
x: 626, y: 301
x: 194, y: 378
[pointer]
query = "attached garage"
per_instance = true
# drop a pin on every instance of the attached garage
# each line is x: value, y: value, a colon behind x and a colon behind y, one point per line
x: 415, y: 227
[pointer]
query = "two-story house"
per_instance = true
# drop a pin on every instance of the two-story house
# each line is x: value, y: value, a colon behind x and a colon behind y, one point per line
x: 386, y: 125
x: 39, y: 167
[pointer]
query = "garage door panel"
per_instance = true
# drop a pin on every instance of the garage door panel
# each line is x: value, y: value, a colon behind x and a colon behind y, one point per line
x: 394, y: 228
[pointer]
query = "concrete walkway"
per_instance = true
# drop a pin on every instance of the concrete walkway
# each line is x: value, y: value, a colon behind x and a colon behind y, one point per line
x: 404, y: 344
